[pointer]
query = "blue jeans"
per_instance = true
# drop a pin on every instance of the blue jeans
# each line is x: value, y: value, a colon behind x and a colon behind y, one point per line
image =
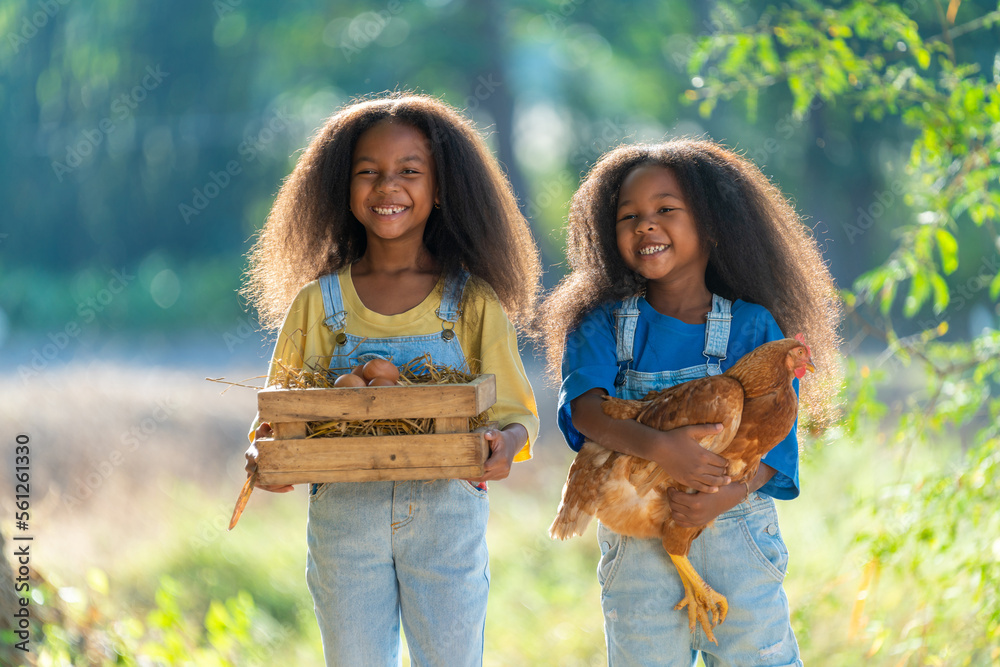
x: 381, y: 552
x: 741, y: 556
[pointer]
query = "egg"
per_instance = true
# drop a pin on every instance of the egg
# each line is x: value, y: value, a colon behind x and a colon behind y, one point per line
x: 380, y: 368
x: 381, y: 382
x: 349, y: 380
x: 358, y: 370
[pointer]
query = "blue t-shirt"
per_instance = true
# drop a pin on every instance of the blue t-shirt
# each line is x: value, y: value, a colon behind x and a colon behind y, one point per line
x: 663, y: 343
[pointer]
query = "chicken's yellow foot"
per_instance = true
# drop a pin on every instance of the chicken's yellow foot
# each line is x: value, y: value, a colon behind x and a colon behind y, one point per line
x: 699, y: 598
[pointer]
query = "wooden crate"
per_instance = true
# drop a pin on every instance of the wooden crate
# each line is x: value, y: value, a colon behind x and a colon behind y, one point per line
x: 451, y: 451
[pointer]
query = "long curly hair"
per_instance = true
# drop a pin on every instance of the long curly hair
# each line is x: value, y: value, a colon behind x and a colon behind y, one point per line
x: 311, y: 232
x: 759, y: 251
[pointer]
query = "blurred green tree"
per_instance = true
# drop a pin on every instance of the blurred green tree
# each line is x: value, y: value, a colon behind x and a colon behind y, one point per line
x: 872, y: 59
x: 152, y: 139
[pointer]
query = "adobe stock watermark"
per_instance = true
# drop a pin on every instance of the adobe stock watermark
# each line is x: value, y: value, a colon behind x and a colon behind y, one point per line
x: 366, y: 27
x: 87, y: 311
x: 85, y: 144
x: 31, y: 24
x: 213, y: 526
x: 87, y: 484
x: 245, y: 329
x: 552, y: 189
x: 486, y: 85
x: 249, y: 149
x: 224, y: 7
x: 867, y: 218
x: 784, y: 128
x: 556, y: 18
x: 484, y: 89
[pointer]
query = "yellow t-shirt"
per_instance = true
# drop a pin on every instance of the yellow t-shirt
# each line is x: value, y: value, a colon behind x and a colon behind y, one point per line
x: 485, y: 332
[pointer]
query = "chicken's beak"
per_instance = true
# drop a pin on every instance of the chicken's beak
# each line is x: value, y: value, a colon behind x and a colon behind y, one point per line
x: 810, y: 367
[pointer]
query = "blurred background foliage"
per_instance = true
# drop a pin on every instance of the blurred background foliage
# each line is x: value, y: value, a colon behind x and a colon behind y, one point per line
x: 151, y: 139
x: 144, y: 145
x: 929, y: 298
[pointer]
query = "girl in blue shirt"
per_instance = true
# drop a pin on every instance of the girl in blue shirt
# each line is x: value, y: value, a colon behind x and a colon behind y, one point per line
x: 684, y: 257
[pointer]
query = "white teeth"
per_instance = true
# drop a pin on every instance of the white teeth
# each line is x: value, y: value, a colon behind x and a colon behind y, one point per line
x: 649, y: 250
x: 388, y: 210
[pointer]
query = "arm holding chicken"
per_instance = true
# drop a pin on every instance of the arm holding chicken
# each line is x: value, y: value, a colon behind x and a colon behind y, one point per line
x: 640, y: 483
x: 694, y: 510
x: 676, y: 451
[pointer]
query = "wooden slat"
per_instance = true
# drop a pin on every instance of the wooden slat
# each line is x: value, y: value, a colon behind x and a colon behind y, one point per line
x: 363, y: 453
x: 417, y: 401
x: 486, y: 393
x: 394, y: 474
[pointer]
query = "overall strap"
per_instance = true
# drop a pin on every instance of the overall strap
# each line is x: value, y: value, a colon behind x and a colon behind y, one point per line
x: 451, y: 300
x: 626, y: 318
x: 717, y: 327
x: 333, y: 302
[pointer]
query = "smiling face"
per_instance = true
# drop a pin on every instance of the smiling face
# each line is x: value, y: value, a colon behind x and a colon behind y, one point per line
x: 393, y: 186
x: 657, y: 237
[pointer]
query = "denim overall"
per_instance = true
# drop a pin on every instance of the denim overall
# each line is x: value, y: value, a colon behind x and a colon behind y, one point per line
x: 741, y: 555
x: 410, y: 551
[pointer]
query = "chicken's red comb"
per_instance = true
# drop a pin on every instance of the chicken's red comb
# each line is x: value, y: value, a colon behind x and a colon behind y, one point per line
x: 802, y: 339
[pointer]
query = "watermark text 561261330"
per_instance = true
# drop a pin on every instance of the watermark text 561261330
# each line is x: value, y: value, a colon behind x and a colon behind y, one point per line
x: 22, y: 550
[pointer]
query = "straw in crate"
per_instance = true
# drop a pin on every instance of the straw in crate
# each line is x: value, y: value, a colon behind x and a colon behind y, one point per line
x: 430, y: 426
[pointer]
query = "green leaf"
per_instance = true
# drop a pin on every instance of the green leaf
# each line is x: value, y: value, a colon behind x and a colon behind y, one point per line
x: 887, y: 295
x: 948, y: 247
x: 919, y: 291
x: 995, y: 287
x: 871, y: 282
x: 752, y: 104
x: 923, y: 58
x: 941, y: 294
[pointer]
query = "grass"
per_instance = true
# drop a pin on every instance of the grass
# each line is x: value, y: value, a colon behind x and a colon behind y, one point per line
x: 143, y: 565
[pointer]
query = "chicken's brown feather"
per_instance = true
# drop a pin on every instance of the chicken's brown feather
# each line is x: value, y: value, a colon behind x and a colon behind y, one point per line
x: 620, y: 408
x: 710, y: 400
x: 582, y: 490
x: 767, y: 420
x: 753, y: 402
x: 717, y: 399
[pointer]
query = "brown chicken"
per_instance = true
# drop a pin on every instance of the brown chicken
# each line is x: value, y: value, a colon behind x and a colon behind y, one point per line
x: 757, y: 406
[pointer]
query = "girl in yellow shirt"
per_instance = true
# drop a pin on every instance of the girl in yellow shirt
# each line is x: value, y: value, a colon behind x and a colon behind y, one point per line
x: 397, y: 235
